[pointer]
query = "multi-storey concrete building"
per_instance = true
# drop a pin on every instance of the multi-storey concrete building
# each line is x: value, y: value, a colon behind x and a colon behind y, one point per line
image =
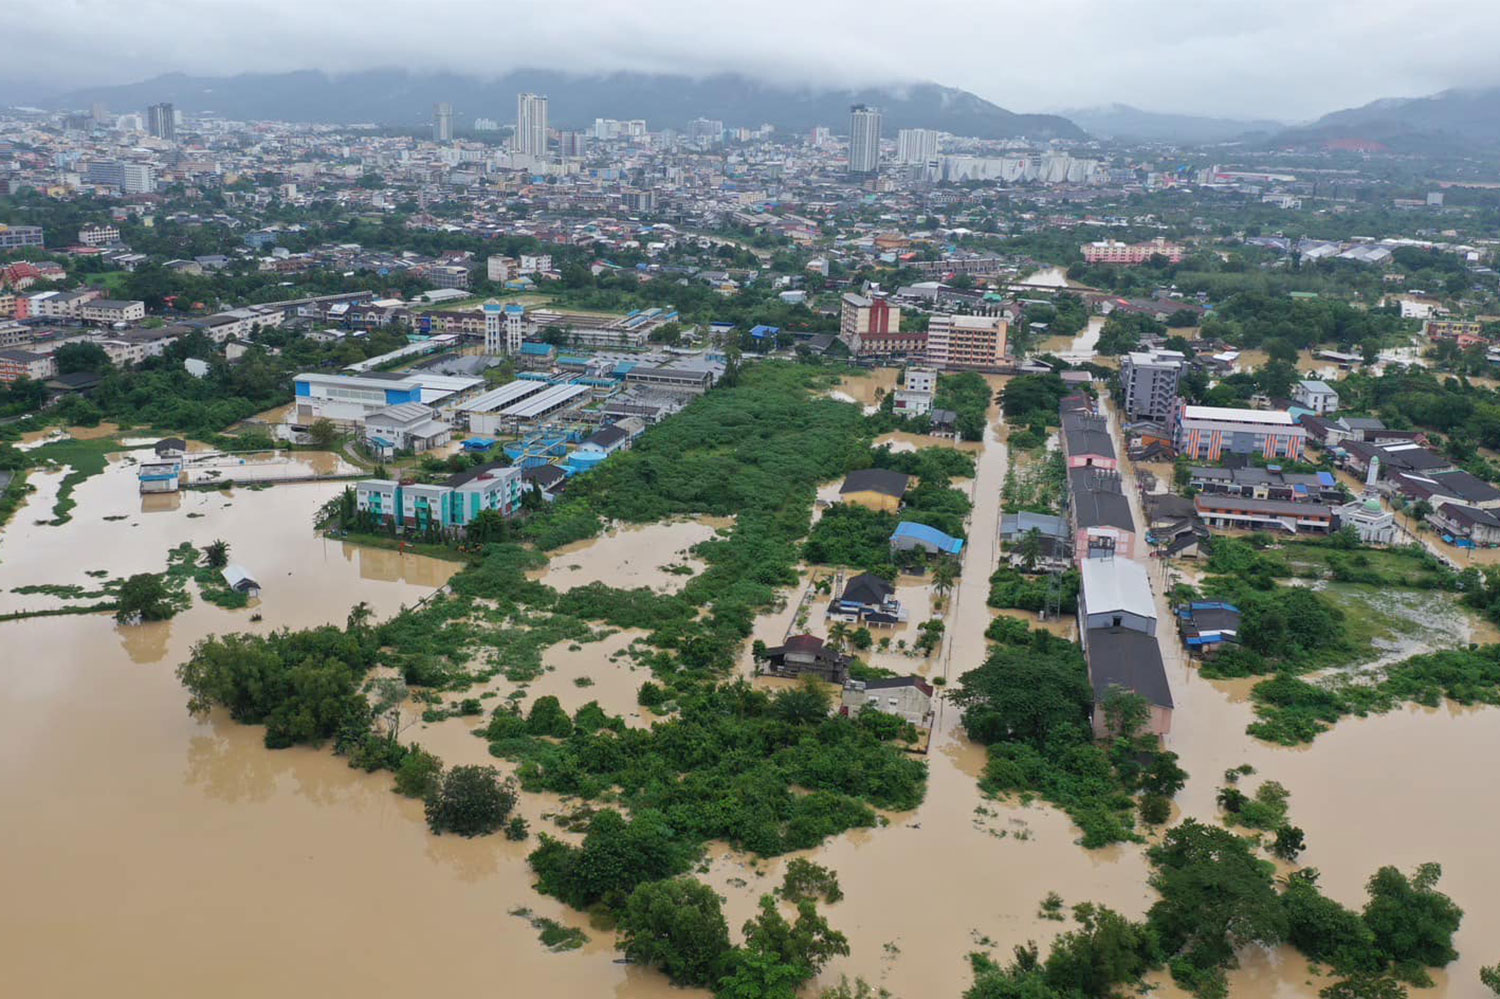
x: 864, y: 139
x: 26, y: 364
x: 966, y: 341
x: 916, y: 145
x: 914, y: 397
x: 1148, y: 383
x: 1109, y: 251
x: 1317, y: 396
x: 1207, y: 433
x: 531, y: 125
x: 98, y: 235
x: 14, y: 237
x: 112, y: 310
x: 161, y: 121
x: 504, y: 328
x: 872, y: 325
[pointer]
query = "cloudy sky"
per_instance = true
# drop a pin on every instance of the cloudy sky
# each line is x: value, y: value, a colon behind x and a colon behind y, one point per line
x: 1288, y: 59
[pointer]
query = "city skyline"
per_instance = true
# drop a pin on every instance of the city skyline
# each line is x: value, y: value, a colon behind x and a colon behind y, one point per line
x: 1278, y: 59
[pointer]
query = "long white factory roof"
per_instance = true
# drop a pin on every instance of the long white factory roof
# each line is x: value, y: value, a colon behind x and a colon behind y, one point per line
x: 555, y: 395
x: 506, y: 395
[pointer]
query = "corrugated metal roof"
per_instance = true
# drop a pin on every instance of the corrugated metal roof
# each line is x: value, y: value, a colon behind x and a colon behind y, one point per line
x: 1117, y: 584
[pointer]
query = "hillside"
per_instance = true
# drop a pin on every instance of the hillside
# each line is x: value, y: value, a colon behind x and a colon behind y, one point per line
x: 1452, y: 121
x: 395, y: 97
x: 1121, y: 121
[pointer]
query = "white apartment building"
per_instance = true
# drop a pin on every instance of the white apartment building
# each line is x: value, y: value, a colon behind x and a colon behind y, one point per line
x: 499, y: 268
x: 535, y: 263
x: 864, y: 139
x: 966, y: 341
x: 99, y: 235
x: 916, y: 145
x: 531, y: 125
x: 112, y: 310
x: 1316, y: 396
x: 914, y: 397
x: 60, y: 304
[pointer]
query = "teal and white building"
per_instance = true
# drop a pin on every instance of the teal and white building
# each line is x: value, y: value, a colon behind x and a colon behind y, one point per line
x: 451, y: 505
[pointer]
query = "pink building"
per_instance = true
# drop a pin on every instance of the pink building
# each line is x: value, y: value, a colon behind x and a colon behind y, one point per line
x: 1109, y: 251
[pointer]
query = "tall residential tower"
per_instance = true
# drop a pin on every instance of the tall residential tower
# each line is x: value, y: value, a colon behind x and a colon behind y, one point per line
x: 864, y: 139
x: 442, y: 122
x: 161, y: 121
x: 916, y: 145
x: 531, y: 124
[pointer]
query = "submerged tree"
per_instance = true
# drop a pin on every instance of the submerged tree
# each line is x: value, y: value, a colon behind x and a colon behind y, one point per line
x: 216, y: 554
x: 143, y: 597
x: 470, y: 801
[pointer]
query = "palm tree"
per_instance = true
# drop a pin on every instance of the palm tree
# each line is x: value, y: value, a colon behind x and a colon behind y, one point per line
x: 838, y: 635
x: 1031, y: 548
x: 944, y: 574
x: 216, y: 554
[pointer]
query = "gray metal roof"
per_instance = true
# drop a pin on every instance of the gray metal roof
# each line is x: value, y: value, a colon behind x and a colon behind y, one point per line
x: 1097, y: 499
x: 1123, y: 657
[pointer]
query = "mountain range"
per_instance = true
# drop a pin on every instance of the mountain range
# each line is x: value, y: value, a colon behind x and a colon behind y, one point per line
x: 1121, y: 121
x: 398, y: 97
x: 1451, y: 121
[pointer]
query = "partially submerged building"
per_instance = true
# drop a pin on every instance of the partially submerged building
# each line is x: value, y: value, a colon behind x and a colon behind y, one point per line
x: 240, y: 580
x: 808, y: 655
x: 906, y: 697
x: 1117, y: 623
x: 868, y: 599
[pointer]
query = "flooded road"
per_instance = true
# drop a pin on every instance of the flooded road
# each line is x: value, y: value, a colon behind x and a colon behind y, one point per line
x: 938, y: 882
x: 1390, y: 789
x: 160, y: 852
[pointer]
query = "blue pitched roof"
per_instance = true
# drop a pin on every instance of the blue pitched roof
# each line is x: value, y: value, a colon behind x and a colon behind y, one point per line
x: 542, y: 349
x: 761, y: 332
x: 928, y: 535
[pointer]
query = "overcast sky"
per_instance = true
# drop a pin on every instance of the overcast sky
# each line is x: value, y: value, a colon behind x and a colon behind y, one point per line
x: 1288, y: 59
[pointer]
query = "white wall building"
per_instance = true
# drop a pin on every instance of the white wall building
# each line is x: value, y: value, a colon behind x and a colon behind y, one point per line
x: 1316, y: 396
x: 531, y: 125
x: 916, y: 145
x: 864, y: 139
x: 914, y: 397
x: 504, y: 328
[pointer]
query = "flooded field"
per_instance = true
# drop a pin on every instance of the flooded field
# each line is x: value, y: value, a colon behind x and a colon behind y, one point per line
x: 868, y: 388
x: 265, y: 466
x: 633, y: 555
x: 158, y: 850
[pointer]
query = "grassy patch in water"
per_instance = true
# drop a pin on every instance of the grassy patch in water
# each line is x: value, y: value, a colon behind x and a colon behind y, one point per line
x: 1291, y: 711
x: 553, y: 935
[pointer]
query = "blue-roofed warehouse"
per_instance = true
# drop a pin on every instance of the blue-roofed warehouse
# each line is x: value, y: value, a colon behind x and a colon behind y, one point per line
x: 909, y: 535
x: 764, y: 332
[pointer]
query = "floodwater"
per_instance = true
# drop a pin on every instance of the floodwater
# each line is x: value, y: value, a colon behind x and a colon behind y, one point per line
x: 633, y: 555
x: 1052, y: 277
x: 266, y: 466
x: 157, y: 850
x: 867, y: 389
x: 900, y: 440
x: 1388, y: 789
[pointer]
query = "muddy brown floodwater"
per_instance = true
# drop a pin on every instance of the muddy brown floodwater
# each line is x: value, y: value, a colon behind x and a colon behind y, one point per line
x: 145, y: 853
x: 159, y: 852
